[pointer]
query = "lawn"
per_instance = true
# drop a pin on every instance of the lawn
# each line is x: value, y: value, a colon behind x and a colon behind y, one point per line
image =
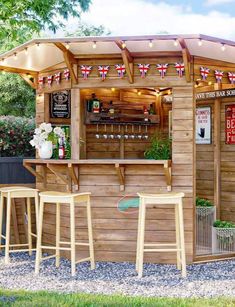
x: 43, y: 298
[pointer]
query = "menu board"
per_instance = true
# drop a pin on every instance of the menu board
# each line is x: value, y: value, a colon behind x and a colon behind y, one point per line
x: 203, y: 125
x: 230, y: 124
x: 60, y: 103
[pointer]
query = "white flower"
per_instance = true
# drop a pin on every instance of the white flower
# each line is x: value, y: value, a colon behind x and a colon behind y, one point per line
x: 43, y: 126
x: 32, y: 143
x: 43, y: 136
x: 37, y: 131
x: 59, y: 132
x: 48, y: 128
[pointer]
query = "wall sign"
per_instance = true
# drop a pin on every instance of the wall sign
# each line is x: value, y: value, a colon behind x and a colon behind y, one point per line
x: 203, y: 125
x: 60, y: 103
x: 230, y: 124
x: 215, y: 94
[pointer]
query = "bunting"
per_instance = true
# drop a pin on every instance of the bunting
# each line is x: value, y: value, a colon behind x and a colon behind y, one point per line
x: 58, y: 77
x: 204, y: 72
x: 103, y: 70
x: 85, y: 71
x: 121, y: 69
x: 143, y: 68
x: 231, y: 77
x: 162, y: 68
x: 67, y: 74
x: 49, y: 80
x: 218, y: 75
x: 180, y: 69
x: 41, y: 81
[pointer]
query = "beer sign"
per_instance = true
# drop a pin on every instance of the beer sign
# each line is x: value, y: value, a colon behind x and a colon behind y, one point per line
x: 203, y: 125
x: 60, y: 103
x: 230, y: 124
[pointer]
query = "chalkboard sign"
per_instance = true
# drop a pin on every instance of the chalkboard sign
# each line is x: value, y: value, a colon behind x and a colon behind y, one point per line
x: 60, y: 103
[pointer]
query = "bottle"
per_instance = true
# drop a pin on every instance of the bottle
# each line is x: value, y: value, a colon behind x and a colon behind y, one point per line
x: 61, y: 148
x: 151, y: 109
x: 146, y: 113
x: 111, y: 110
x: 95, y: 104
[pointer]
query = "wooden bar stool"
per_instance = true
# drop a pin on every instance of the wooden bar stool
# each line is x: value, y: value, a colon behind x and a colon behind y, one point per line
x: 10, y: 193
x: 64, y: 198
x: 178, y: 247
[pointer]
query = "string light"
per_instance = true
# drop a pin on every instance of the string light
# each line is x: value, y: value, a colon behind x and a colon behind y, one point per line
x: 15, y: 56
x: 3, y: 60
x: 67, y: 46
x: 200, y: 42
x: 94, y: 45
x: 38, y: 45
x: 176, y: 42
x: 123, y: 45
x: 26, y: 51
x: 169, y: 92
x: 113, y: 89
x: 139, y: 93
x: 150, y: 43
x: 223, y: 47
x: 209, y: 83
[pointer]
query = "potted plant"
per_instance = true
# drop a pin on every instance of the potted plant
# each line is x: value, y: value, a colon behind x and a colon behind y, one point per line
x: 205, y: 216
x: 223, y: 240
x: 160, y: 148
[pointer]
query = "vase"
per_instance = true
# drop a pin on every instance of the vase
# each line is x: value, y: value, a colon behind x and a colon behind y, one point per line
x: 45, y: 151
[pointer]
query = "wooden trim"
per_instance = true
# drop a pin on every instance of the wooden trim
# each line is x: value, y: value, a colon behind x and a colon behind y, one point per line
x: 18, y: 70
x: 128, y: 61
x: 207, y: 258
x: 186, y: 58
x: 30, y: 82
x: 121, y: 175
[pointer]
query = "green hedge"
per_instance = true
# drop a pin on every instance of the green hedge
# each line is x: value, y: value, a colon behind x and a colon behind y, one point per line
x: 15, y: 134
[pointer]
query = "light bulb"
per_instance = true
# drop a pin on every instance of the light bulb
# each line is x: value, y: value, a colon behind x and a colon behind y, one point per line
x: 150, y: 43
x: 67, y: 46
x: 15, y: 56
x: 3, y: 61
x: 209, y: 83
x: 94, y: 45
x: 38, y: 45
x: 200, y: 42
x: 123, y: 45
x: 139, y: 93
x: 113, y: 89
x: 26, y: 51
x: 223, y: 47
x: 175, y: 42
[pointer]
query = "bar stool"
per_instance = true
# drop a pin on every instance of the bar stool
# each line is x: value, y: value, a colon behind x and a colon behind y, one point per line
x: 178, y: 247
x: 64, y: 198
x: 9, y: 193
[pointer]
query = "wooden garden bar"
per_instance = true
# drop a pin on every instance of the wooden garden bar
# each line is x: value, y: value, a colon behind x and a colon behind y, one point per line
x: 107, y: 150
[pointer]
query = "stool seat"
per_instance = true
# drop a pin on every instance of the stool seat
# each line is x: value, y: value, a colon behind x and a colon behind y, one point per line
x: 16, y: 188
x: 61, y: 194
x: 161, y: 195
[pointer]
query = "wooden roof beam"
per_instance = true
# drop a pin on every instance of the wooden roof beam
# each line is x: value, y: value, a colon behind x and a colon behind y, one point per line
x: 28, y: 80
x: 127, y: 60
x: 186, y: 59
x: 69, y: 59
x: 18, y: 70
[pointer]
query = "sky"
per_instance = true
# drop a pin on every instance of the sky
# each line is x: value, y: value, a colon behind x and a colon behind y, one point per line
x: 139, y: 17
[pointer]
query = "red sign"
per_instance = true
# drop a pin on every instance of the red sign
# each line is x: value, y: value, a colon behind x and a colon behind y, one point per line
x: 230, y: 124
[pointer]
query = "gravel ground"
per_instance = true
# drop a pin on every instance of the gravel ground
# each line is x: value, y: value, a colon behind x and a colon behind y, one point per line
x: 203, y: 280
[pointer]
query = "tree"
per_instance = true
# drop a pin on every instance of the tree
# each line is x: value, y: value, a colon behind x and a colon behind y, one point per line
x: 18, y: 17
x: 84, y: 29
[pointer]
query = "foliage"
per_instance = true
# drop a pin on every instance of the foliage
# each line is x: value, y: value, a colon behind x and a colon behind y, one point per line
x: 223, y: 224
x: 84, y: 29
x: 49, y: 299
x: 202, y: 202
x: 17, y: 98
x: 22, y: 15
x: 15, y: 134
x: 160, y: 148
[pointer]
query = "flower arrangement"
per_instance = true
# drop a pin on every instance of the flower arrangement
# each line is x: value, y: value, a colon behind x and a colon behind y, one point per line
x: 45, y: 133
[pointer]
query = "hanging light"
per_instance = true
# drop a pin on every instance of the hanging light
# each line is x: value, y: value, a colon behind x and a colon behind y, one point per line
x: 94, y: 45
x: 113, y: 89
x: 15, y: 56
x: 200, y: 42
x: 139, y: 93
x: 26, y: 50
x: 123, y: 44
x: 3, y: 60
x: 209, y: 83
x: 223, y: 47
x: 150, y: 43
x: 67, y: 45
x: 175, y: 42
x: 38, y: 45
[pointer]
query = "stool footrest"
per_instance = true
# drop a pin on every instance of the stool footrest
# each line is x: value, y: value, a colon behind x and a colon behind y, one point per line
x: 21, y: 250
x: 84, y: 244
x: 15, y: 245
x: 33, y: 234
x: 160, y: 244
x: 48, y: 257
x: 54, y: 247
x: 4, y: 237
x: 84, y: 259
x: 162, y: 250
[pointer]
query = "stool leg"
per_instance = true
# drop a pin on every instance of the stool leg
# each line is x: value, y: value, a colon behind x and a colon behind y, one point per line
x: 90, y: 235
x: 138, y: 241
x: 72, y: 237
x: 39, y: 237
x: 36, y: 209
x: 177, y: 238
x: 57, y: 263
x: 141, y: 244
x: 8, y: 228
x: 182, y: 246
x: 1, y: 218
x: 29, y: 226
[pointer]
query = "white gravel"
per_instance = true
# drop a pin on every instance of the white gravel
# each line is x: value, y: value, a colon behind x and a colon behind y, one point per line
x: 203, y: 280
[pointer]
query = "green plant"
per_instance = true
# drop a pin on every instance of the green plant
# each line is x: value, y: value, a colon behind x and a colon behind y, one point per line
x: 160, y: 148
x: 202, y: 202
x: 223, y: 224
x: 15, y: 134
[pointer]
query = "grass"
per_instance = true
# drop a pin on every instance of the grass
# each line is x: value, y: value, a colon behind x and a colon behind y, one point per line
x: 47, y: 299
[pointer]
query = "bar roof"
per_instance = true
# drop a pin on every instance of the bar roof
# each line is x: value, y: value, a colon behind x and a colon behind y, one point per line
x: 43, y: 53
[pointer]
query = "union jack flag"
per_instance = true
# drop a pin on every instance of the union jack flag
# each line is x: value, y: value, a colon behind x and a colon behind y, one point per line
x: 162, y: 68
x: 85, y: 71
x: 231, y: 77
x: 58, y: 77
x: 103, y: 70
x: 218, y: 75
x: 121, y: 69
x: 66, y: 74
x: 204, y: 72
x: 143, y: 68
x: 49, y: 80
x: 40, y: 81
x: 180, y: 69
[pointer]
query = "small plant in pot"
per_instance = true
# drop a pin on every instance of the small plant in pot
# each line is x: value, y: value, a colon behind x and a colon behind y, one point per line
x: 224, y: 236
x: 160, y: 148
x: 204, y: 207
